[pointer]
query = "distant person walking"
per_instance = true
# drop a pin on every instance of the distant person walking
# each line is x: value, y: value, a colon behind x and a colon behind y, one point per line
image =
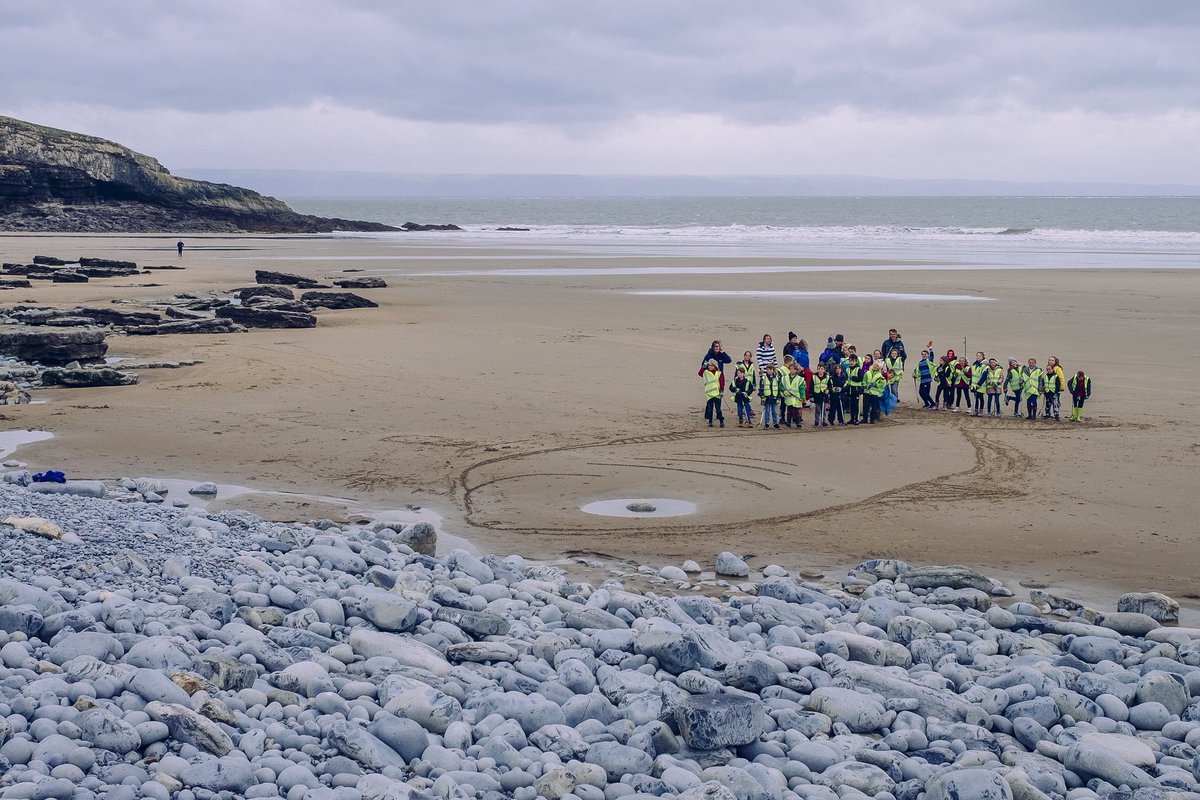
x: 179, y: 246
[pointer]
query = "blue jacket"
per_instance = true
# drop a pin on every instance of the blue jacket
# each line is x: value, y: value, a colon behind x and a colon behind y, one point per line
x: 888, y: 344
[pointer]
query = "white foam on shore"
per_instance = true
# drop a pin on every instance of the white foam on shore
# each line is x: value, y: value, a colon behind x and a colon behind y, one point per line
x: 575, y: 272
x: 11, y: 440
x: 791, y: 295
x: 619, y: 508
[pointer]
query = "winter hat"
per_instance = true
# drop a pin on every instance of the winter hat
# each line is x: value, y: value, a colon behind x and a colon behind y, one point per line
x: 839, y: 338
x: 791, y: 334
x: 1012, y: 358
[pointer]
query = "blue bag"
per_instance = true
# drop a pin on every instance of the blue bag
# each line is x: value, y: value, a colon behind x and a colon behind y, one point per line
x: 887, y: 402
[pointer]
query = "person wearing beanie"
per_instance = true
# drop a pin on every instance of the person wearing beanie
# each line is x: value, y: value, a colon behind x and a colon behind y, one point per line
x: 793, y: 342
x: 1080, y: 387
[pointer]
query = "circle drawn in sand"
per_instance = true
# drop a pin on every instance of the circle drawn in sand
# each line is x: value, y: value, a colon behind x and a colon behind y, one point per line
x: 641, y: 507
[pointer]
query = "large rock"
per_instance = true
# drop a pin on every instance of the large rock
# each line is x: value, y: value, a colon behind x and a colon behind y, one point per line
x: 357, y: 743
x: 1153, y: 604
x: 52, y: 347
x: 189, y: 727
x: 54, y: 180
x: 968, y: 784
x: 266, y: 290
x: 361, y: 283
x: 205, y: 325
x: 282, y: 278
x: 337, y: 300
x: 954, y: 576
x: 859, y: 712
x: 86, y: 378
x: 714, y: 721
x: 255, y: 317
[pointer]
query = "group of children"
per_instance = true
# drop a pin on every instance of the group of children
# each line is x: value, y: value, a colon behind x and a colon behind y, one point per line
x: 844, y: 385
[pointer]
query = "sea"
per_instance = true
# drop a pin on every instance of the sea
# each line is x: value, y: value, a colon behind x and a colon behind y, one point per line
x: 968, y: 232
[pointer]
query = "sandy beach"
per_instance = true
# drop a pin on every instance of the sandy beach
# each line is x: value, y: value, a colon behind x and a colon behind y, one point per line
x: 505, y: 402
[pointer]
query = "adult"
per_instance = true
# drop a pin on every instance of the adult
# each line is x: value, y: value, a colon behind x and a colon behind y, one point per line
x: 716, y: 353
x: 894, y: 340
x: 179, y: 246
x: 1080, y: 387
x: 766, y: 353
x: 793, y: 342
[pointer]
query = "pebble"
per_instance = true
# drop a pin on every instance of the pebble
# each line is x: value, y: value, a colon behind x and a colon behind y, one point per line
x: 170, y: 653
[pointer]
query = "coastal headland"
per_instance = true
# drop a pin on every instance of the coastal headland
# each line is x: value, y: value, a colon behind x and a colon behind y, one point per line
x: 506, y: 402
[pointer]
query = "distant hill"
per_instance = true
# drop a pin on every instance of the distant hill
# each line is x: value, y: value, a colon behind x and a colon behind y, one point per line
x: 52, y: 180
x: 315, y: 183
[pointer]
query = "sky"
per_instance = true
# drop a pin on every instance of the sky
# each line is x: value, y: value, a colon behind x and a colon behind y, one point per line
x: 975, y: 89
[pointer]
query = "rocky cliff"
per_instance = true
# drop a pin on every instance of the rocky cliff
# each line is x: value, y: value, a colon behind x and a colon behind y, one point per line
x: 53, y: 180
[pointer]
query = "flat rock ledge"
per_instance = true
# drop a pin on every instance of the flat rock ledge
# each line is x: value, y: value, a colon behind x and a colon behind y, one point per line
x: 162, y: 652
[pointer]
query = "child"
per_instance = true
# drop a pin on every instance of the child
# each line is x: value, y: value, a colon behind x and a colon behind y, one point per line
x: 743, y: 388
x: 768, y: 391
x: 793, y: 397
x: 820, y: 396
x: 1013, y: 384
x: 1033, y: 381
x: 874, y: 385
x: 895, y: 371
x: 747, y: 363
x: 923, y: 374
x: 837, y: 389
x: 991, y: 384
x: 1054, y: 386
x: 1080, y: 387
x: 712, y: 390
x: 854, y: 386
x: 962, y: 384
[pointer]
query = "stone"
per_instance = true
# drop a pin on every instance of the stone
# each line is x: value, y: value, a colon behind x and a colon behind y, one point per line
x: 265, y: 290
x: 337, y: 300
x: 411, y: 652
x: 420, y: 536
x: 202, y: 325
x: 1166, y: 688
x: 189, y: 727
x: 618, y: 760
x: 1155, y: 605
x: 866, y: 778
x: 207, y: 489
x: 36, y: 525
x: 230, y: 774
x: 282, y: 278
x: 859, y: 712
x: 24, y: 619
x: 255, y: 317
x: 715, y: 721
x: 108, y: 732
x: 86, y: 378
x: 731, y: 565
x: 1092, y: 760
x: 954, y: 577
x: 968, y: 784
x: 75, y: 488
x: 225, y: 671
x: 361, y: 283
x: 355, y: 742
x: 481, y: 652
x: 53, y: 347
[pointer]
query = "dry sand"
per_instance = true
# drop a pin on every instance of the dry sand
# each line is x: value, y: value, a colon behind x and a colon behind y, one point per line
x: 506, y: 403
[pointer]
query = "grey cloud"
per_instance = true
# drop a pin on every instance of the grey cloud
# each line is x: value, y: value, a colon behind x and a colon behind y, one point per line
x: 597, y: 63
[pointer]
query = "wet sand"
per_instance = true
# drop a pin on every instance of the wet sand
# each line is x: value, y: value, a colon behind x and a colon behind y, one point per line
x: 507, y: 402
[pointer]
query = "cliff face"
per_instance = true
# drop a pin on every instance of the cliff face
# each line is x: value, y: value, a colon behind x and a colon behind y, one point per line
x: 52, y: 180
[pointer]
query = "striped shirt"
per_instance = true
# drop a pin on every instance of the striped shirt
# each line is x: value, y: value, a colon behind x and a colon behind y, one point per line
x: 766, y: 355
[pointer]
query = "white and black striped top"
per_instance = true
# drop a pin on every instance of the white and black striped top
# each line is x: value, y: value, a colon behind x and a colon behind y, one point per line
x: 766, y: 355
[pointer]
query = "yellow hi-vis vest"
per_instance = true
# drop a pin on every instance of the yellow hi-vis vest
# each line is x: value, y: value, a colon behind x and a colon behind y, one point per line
x: 712, y: 384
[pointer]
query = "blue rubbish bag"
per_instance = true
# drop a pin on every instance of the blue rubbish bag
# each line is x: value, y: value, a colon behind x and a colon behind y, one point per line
x: 887, y: 402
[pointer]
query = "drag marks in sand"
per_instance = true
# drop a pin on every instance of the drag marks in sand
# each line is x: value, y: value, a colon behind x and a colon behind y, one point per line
x: 984, y: 463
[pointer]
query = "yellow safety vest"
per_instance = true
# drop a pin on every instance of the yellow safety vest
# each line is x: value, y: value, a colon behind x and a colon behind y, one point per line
x: 712, y: 384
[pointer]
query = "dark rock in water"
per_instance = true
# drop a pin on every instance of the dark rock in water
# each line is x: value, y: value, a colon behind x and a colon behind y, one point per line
x: 107, y: 263
x: 511, y: 229
x: 203, y: 325
x: 281, y: 292
x: 164, y: 266
x: 52, y: 347
x: 417, y: 226
x: 337, y: 300
x: 641, y: 508
x: 361, y: 283
x: 83, y: 378
x: 14, y: 283
x: 49, y: 261
x: 283, y: 278
x: 53, y: 180
x: 253, y: 317
x: 69, y: 276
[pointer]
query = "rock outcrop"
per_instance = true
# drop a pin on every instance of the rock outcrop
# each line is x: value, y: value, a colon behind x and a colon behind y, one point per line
x: 53, y: 347
x: 53, y: 180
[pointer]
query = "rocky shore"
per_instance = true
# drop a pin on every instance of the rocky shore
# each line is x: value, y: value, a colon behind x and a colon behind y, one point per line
x: 150, y: 650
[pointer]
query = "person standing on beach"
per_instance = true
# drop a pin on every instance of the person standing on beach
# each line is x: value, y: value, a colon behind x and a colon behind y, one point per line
x: 714, y: 385
x: 1033, y: 382
x: 1080, y: 387
x: 854, y: 386
x: 769, y: 391
x: 923, y: 375
x: 962, y: 384
x: 766, y: 353
x: 1013, y: 382
x: 820, y: 396
x: 837, y: 391
x: 1052, y: 388
x: 793, y: 343
x: 978, y: 368
x: 793, y: 397
x: 743, y: 389
x: 894, y: 340
x: 874, y: 385
x: 716, y: 353
x: 895, y: 369
x: 179, y: 246
x: 993, y: 380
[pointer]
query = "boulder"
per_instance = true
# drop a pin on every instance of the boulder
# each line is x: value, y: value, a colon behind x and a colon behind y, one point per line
x: 714, y: 721
x: 52, y: 347
x: 954, y: 576
x: 253, y: 317
x: 49, y: 261
x: 189, y: 727
x: 361, y: 283
x: 732, y: 565
x: 1153, y: 604
x: 337, y: 300
x: 107, y: 263
x: 69, y: 276
x: 202, y: 325
x: 968, y: 784
x: 283, y: 278
x: 266, y: 290
x: 87, y: 378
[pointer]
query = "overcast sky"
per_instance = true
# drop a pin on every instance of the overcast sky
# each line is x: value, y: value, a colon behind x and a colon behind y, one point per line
x: 1021, y: 90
